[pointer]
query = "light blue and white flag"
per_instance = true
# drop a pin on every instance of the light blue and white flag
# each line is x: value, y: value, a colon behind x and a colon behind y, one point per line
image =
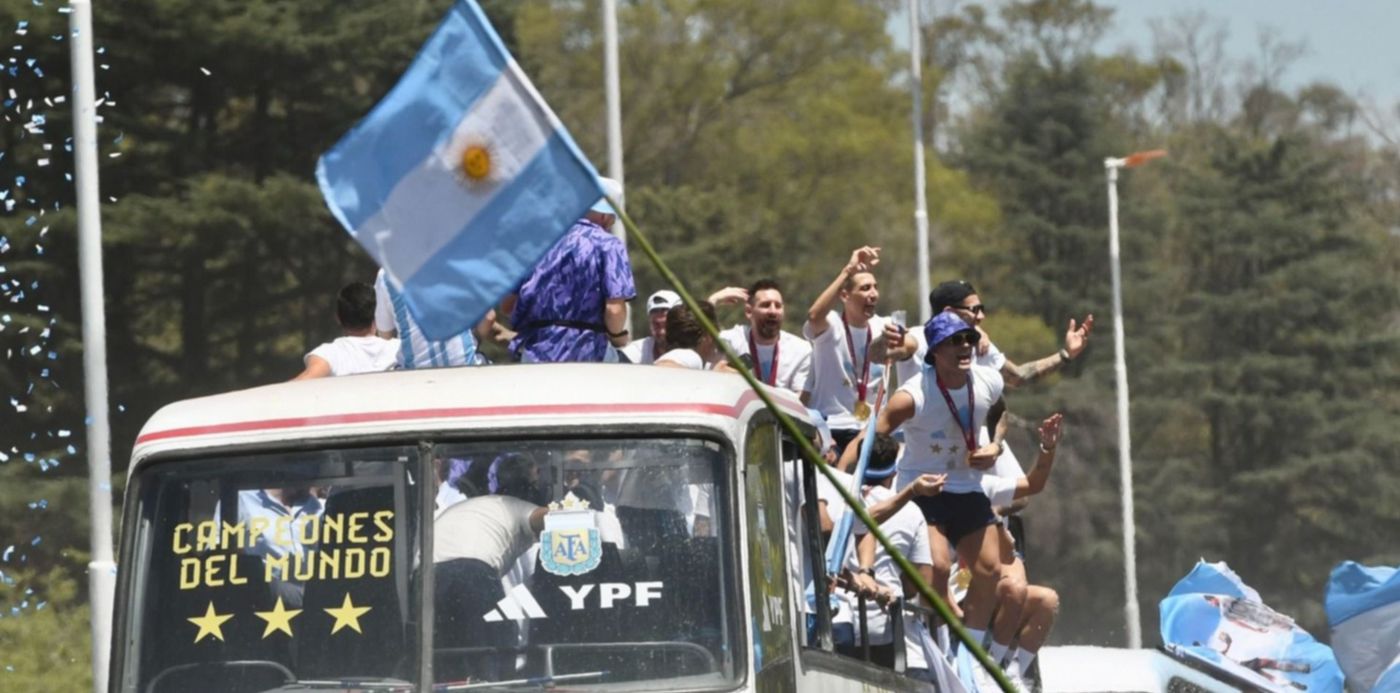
x: 1363, y: 610
x: 460, y: 179
x: 1213, y: 618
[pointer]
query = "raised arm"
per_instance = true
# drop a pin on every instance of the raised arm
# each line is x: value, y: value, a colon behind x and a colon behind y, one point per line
x: 1076, y: 338
x: 1035, y: 480
x: 862, y: 259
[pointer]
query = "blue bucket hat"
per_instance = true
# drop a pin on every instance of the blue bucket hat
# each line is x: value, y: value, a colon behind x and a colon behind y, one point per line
x: 941, y: 327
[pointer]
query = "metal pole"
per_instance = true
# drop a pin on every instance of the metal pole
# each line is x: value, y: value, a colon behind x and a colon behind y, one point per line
x: 1125, y: 455
x: 101, y: 569
x: 613, y: 89
x: 916, y: 85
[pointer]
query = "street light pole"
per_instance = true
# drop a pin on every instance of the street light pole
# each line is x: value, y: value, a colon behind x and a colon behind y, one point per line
x: 613, y: 93
x: 1120, y: 371
x: 916, y: 88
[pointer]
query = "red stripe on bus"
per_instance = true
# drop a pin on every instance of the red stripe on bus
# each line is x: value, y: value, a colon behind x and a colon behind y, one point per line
x: 444, y: 413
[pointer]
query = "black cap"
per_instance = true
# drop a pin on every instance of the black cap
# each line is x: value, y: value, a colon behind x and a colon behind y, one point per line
x: 948, y: 294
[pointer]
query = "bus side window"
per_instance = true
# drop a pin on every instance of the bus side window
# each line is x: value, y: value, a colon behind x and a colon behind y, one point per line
x: 769, y: 582
x: 805, y: 555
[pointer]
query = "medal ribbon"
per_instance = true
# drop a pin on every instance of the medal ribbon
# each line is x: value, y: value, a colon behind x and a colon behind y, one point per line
x: 772, y: 377
x: 969, y: 431
x: 851, y: 346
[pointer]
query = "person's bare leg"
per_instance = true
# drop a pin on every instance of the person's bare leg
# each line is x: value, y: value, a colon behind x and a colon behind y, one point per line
x: 981, y: 551
x: 1042, y: 606
x: 1011, y: 597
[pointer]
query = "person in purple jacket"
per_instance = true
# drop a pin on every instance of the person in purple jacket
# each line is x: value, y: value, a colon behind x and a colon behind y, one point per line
x: 574, y: 304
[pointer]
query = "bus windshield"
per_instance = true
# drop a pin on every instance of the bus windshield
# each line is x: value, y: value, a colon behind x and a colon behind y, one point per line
x: 586, y: 563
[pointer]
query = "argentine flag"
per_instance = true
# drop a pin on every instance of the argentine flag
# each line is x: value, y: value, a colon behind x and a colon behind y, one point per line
x: 1363, y: 611
x: 460, y: 179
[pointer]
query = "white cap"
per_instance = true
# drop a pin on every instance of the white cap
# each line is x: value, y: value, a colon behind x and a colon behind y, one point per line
x: 611, y: 188
x: 663, y: 300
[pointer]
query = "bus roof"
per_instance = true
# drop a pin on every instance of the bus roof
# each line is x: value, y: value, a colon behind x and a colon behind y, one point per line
x: 399, y: 402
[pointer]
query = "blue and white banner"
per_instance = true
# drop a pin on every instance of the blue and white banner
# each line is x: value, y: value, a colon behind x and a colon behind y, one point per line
x: 1363, y: 611
x: 460, y: 179
x: 1212, y: 617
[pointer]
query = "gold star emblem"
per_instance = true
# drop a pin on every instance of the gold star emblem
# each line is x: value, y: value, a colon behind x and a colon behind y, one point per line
x: 936, y: 449
x: 279, y: 618
x: 211, y: 623
x: 347, y: 614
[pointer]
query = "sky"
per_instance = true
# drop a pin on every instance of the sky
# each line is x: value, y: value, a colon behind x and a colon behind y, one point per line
x: 1349, y: 43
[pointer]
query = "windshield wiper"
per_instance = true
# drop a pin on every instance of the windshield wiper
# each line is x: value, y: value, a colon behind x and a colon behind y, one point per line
x: 539, y: 681
x: 353, y: 684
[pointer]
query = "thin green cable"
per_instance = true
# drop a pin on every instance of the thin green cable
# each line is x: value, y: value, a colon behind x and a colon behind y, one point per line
x: 811, y: 455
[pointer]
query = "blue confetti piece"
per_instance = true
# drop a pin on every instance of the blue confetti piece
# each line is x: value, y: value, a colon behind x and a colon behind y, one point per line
x: 72, y: 450
x: 19, y: 181
x: 8, y: 551
x: 36, y: 540
x: 23, y: 24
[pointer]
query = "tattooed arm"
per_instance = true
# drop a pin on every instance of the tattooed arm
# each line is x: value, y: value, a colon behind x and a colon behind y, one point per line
x: 1076, y: 338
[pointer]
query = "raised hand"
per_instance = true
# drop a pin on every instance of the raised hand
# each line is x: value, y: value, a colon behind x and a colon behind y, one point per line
x: 864, y: 259
x: 1050, y: 431
x: 1077, y: 336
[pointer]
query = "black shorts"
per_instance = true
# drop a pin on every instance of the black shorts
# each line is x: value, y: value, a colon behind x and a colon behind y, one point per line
x: 959, y: 514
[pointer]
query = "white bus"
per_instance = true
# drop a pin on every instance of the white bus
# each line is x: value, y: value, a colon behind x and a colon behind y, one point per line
x: 589, y: 527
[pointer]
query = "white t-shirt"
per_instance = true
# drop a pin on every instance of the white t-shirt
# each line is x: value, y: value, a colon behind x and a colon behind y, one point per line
x: 835, y: 375
x: 794, y: 357
x: 415, y: 350
x: 492, y: 529
x: 641, y: 351
x: 908, y: 532
x: 933, y: 439
x: 999, y: 483
x: 689, y: 358
x: 350, y: 355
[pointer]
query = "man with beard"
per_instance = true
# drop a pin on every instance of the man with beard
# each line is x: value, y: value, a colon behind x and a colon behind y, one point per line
x: 848, y: 344
x: 777, y: 357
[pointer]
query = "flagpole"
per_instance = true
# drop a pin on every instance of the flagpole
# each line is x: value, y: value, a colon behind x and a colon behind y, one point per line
x: 613, y: 89
x: 101, y: 568
x: 916, y: 87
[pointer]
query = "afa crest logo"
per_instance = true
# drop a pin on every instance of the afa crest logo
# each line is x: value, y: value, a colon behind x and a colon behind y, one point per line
x: 570, y: 543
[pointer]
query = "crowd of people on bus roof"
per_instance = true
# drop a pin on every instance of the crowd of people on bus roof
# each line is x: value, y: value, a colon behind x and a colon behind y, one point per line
x: 948, y: 380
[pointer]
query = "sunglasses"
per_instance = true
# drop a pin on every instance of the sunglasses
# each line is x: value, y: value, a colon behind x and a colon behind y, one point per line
x: 975, y: 310
x: 964, y: 339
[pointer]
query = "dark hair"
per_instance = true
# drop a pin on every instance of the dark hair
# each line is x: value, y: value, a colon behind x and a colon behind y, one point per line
x: 354, y: 306
x: 850, y: 282
x: 683, y: 329
x: 949, y: 294
x: 884, y: 451
x: 763, y: 285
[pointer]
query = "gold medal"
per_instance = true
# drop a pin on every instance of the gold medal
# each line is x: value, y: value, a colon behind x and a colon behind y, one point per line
x: 862, y: 411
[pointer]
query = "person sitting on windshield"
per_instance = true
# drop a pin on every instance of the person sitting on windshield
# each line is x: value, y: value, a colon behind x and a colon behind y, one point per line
x: 281, y: 515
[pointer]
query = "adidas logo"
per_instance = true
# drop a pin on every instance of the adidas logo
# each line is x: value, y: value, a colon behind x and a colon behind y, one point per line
x: 518, y: 605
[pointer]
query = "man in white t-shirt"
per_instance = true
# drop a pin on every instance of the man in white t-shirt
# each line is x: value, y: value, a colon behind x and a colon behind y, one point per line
x: 848, y: 345
x: 942, y: 411
x: 777, y: 357
x: 875, y: 573
x: 392, y: 320
x: 649, y: 348
x: 359, y: 350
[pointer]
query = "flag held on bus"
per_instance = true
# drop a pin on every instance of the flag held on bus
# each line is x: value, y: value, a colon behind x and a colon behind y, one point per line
x: 460, y: 179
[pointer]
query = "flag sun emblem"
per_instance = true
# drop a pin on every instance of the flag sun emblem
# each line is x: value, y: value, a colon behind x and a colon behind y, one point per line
x: 476, y: 162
